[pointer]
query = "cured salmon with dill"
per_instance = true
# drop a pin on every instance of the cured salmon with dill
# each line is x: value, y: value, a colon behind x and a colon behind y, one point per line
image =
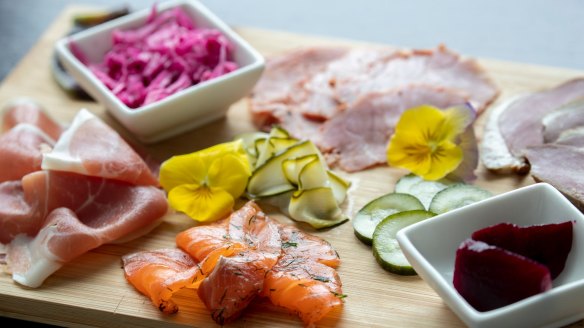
x: 238, y: 259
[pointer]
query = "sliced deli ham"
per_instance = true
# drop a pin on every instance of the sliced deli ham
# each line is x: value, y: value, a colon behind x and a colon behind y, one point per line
x: 324, y: 102
x: 560, y: 166
x: 520, y: 124
x: 357, y: 138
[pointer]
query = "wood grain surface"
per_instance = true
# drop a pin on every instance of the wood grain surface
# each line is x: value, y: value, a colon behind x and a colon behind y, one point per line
x: 92, y: 291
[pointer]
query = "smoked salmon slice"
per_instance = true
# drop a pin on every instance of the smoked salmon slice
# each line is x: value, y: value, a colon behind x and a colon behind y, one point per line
x: 246, y: 256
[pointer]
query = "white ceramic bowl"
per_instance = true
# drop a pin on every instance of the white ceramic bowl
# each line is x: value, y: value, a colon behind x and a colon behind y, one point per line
x: 430, y: 246
x: 185, y: 110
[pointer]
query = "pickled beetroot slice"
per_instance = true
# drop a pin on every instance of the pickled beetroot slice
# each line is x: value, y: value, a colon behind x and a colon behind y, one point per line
x: 489, y: 277
x: 548, y: 244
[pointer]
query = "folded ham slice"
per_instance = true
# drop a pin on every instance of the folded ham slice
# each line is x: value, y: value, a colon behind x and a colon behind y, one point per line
x: 519, y: 124
x: 321, y: 94
x: 28, y: 132
x: 357, y: 138
x: 91, y: 147
x: 24, y: 110
x: 93, y: 189
x: 560, y: 166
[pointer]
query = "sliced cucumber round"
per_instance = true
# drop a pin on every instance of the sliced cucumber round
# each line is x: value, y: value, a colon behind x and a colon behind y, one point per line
x: 456, y: 196
x: 385, y: 246
x: 422, y: 189
x: 376, y: 210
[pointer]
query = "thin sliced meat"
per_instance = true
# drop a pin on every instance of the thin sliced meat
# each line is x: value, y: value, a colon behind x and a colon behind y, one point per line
x: 438, y: 67
x: 494, y: 152
x: 520, y: 124
x: 81, y: 213
x: 25, y: 110
x: 21, y: 151
x: 357, y: 138
x: 567, y: 117
x: 320, y: 95
x: 91, y: 147
x: 318, y: 103
x: 18, y: 214
x: 560, y: 166
x: 572, y: 137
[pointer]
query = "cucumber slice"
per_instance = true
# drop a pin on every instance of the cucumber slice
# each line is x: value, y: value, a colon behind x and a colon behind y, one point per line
x: 385, y: 246
x: 422, y: 189
x: 339, y: 186
x: 269, y: 179
x: 316, y: 207
x: 456, y: 196
x: 376, y: 210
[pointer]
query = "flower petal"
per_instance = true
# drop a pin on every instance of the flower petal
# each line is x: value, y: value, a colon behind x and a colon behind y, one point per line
x: 201, y: 203
x: 456, y: 120
x: 444, y: 160
x: 230, y: 173
x: 182, y: 169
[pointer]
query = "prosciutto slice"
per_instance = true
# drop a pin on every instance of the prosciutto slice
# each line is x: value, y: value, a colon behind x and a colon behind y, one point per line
x: 81, y: 213
x: 26, y: 110
x: 91, y: 147
x: 28, y: 132
x: 68, y: 192
x: 21, y: 151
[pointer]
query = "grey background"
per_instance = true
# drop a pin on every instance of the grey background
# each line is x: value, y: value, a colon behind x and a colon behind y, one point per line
x: 542, y: 32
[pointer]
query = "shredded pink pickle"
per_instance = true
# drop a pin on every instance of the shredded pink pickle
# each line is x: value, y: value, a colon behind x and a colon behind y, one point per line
x: 165, y: 56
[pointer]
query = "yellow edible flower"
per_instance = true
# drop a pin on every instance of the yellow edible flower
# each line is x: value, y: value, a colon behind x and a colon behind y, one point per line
x: 427, y: 140
x: 205, y: 184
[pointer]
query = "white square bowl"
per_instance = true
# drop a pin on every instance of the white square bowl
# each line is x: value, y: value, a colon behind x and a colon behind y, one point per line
x: 185, y: 110
x: 430, y: 247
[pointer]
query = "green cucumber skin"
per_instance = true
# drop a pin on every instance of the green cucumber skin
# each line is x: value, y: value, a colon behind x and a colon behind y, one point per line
x: 393, y: 203
x: 386, y: 230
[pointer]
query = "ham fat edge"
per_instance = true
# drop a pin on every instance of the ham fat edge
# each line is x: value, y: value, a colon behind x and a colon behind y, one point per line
x: 77, y: 188
x: 233, y: 261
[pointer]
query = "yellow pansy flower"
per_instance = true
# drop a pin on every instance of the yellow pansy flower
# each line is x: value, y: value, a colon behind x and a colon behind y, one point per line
x: 432, y: 143
x: 205, y: 184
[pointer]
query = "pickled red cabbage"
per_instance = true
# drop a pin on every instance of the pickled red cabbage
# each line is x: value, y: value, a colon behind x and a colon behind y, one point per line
x: 166, y: 55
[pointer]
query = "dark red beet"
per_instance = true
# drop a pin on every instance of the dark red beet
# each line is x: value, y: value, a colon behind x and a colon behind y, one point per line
x: 489, y: 277
x: 548, y: 244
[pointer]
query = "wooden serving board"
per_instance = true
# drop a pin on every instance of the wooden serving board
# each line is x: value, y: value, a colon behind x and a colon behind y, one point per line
x: 92, y: 291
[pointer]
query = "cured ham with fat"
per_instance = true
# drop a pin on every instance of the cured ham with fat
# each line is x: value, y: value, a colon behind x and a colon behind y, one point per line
x: 49, y: 217
x: 24, y: 110
x: 28, y: 132
x: 91, y: 147
x: 238, y: 259
x: 326, y: 102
